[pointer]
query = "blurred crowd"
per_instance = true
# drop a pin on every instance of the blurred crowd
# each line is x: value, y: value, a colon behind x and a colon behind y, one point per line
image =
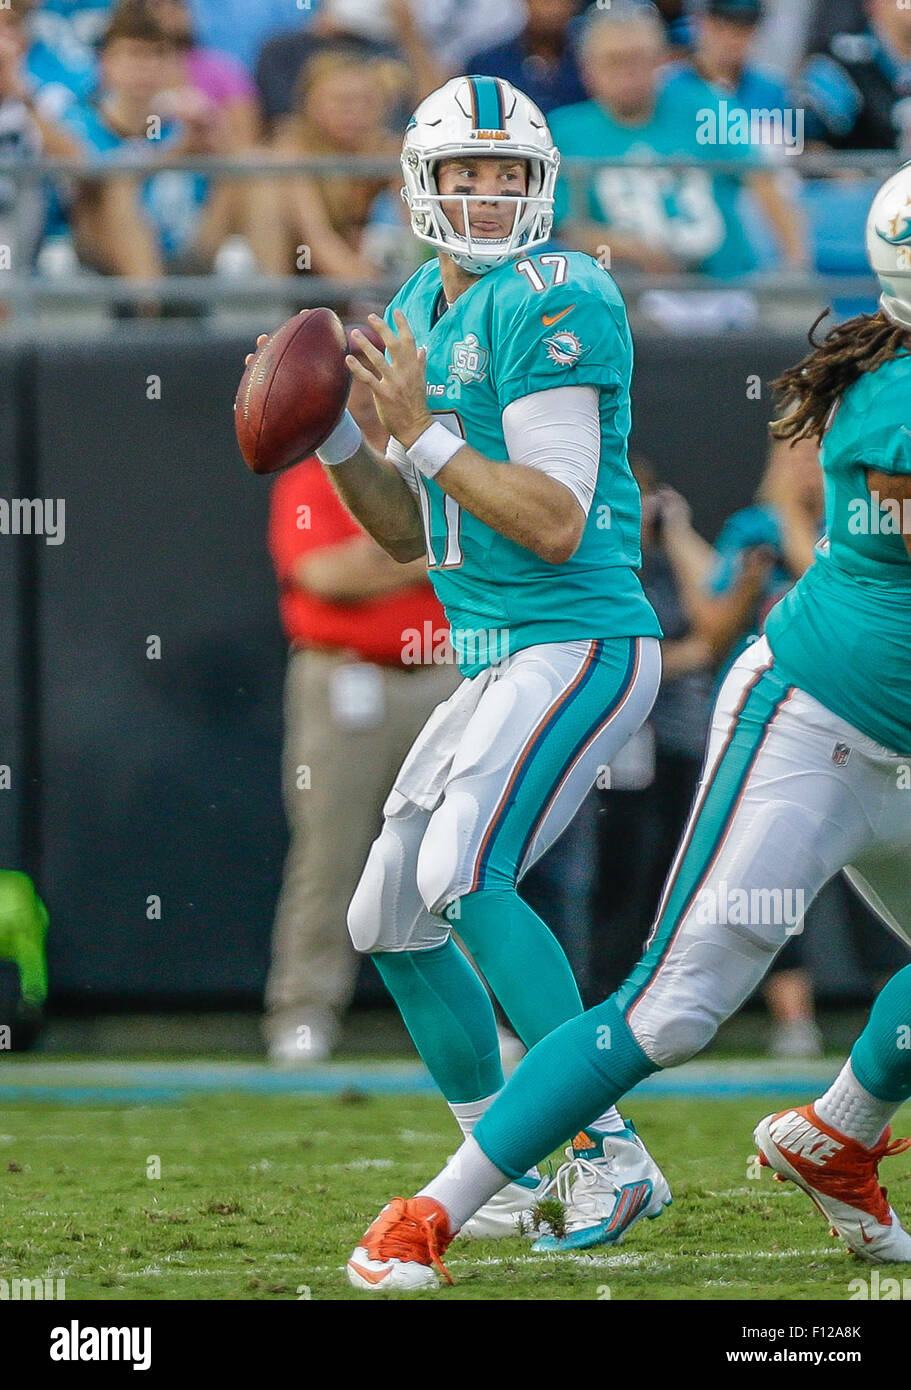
x: 261, y: 81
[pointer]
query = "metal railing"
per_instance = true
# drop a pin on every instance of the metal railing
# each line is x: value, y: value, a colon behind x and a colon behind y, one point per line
x: 29, y: 292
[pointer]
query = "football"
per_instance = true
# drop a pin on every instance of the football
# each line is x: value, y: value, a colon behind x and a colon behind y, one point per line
x: 293, y: 391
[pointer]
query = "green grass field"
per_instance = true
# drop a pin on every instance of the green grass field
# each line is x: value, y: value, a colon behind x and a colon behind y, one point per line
x: 263, y: 1197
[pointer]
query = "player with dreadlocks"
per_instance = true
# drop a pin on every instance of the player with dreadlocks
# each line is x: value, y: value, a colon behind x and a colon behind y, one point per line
x: 806, y: 773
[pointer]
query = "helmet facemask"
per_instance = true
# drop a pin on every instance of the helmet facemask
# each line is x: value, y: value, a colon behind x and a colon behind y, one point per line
x: 532, y: 218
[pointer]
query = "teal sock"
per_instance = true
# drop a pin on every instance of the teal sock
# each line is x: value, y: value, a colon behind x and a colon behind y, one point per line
x: 521, y: 960
x: 449, y: 1016
x: 881, y: 1057
x: 577, y: 1071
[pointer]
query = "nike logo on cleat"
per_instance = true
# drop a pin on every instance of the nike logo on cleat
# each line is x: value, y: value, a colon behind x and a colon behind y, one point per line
x: 795, y: 1135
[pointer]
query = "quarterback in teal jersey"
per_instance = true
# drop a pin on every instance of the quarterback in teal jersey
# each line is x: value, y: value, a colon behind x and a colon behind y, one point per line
x: 505, y: 390
x: 530, y: 325
x: 807, y: 772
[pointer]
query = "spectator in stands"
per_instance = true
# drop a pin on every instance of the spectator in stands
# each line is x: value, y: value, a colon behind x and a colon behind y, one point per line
x: 541, y: 59
x: 723, y: 33
x: 406, y: 66
x: 222, y: 79
x: 831, y: 17
x: 673, y: 13
x: 657, y: 220
x: 454, y: 29
x: 858, y: 91
x: 779, y: 531
x: 319, y: 222
x: 426, y: 43
x: 241, y: 27
x: 653, y: 782
x: 353, y: 706
x: 26, y: 133
x: 61, y: 57
x: 72, y: 26
x: 169, y: 221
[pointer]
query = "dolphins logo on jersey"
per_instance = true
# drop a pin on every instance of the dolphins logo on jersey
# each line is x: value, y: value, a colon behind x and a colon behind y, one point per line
x: 563, y: 348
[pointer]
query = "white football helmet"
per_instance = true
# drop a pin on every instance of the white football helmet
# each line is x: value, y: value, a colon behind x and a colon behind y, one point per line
x: 889, y: 245
x: 479, y: 116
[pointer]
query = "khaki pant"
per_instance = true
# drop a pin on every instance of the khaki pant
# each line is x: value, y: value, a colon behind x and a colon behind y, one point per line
x: 348, y: 727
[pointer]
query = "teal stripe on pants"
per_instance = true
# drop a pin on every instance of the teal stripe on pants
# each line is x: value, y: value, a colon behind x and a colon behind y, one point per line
x: 601, y: 688
x: 717, y: 807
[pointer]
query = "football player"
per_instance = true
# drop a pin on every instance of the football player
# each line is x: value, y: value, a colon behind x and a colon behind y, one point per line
x: 806, y: 772
x: 505, y: 390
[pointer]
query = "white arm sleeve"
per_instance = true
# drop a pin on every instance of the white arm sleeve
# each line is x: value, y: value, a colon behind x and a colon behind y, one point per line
x: 559, y: 433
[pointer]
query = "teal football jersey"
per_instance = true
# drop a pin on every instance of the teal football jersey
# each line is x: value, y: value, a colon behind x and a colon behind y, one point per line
x: 843, y: 633
x: 544, y: 321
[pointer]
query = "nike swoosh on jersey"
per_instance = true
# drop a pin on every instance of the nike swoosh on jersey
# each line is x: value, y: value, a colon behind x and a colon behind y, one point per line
x: 549, y: 320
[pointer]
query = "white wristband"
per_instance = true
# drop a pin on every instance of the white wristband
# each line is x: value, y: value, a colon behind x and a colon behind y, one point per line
x: 433, y: 449
x: 343, y: 443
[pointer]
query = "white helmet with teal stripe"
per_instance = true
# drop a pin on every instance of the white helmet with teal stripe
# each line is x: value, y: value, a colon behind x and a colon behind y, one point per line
x: 889, y: 245
x: 479, y: 116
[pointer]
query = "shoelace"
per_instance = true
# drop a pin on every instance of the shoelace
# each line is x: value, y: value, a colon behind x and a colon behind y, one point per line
x: 889, y: 1148
x: 404, y: 1233
x: 574, y: 1184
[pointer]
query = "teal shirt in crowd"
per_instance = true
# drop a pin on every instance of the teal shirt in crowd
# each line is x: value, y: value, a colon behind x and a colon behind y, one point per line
x: 691, y: 213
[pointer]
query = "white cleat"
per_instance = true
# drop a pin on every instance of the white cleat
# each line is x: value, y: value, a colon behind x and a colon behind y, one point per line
x: 840, y: 1176
x: 403, y: 1249
x: 609, y: 1182
x: 509, y: 1211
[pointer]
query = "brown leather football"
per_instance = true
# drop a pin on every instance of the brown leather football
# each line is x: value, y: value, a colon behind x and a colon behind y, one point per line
x: 293, y: 391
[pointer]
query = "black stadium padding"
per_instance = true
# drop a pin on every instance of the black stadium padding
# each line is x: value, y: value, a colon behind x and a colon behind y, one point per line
x: 693, y: 417
x: 158, y: 780
x: 13, y: 562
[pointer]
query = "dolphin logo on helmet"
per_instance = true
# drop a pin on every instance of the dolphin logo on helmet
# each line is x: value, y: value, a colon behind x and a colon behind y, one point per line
x: 889, y: 245
x: 471, y: 117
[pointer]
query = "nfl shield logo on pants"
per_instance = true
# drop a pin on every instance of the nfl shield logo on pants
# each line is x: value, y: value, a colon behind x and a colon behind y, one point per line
x: 840, y: 754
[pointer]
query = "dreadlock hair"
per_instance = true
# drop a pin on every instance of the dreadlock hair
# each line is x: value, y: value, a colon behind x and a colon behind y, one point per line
x: 809, y: 390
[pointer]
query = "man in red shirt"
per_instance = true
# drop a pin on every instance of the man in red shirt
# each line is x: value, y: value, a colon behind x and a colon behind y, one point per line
x: 369, y: 660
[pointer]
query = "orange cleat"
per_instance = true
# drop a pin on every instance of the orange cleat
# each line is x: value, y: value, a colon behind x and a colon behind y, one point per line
x: 840, y: 1176
x: 403, y: 1248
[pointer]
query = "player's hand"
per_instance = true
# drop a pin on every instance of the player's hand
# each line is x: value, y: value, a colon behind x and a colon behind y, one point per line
x: 674, y: 509
x: 398, y: 381
x: 259, y: 342
x: 758, y: 564
x: 784, y: 484
x: 12, y: 83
